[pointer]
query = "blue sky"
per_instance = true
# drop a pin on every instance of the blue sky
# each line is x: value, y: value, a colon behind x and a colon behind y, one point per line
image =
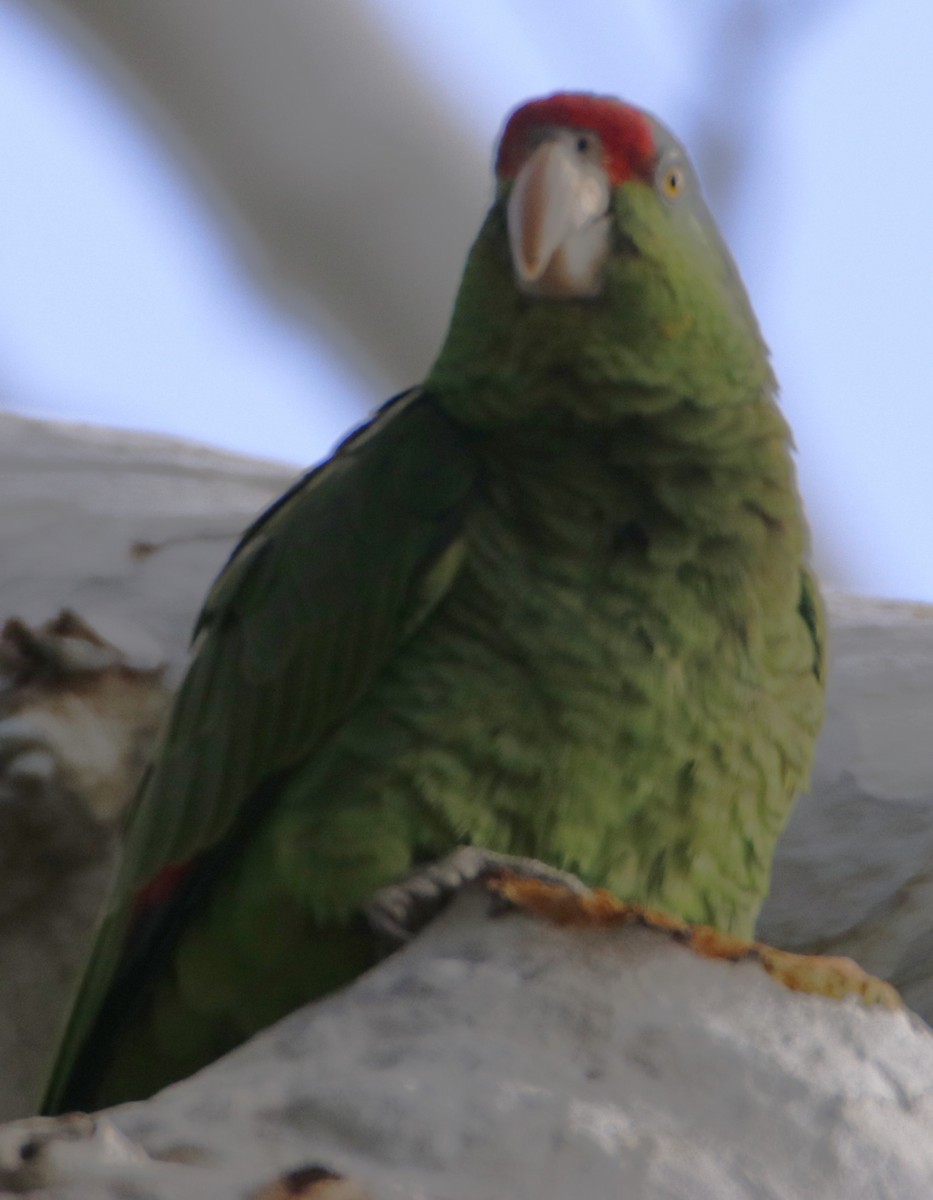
x: 106, y: 241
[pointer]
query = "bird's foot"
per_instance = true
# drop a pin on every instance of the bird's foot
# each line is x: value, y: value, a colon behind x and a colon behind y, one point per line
x: 819, y: 975
x: 397, y: 912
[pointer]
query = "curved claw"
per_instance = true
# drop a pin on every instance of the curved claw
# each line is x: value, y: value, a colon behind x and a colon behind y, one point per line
x: 398, y: 912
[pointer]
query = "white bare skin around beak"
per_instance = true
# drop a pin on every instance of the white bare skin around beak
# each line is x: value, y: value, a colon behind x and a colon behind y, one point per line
x: 558, y: 219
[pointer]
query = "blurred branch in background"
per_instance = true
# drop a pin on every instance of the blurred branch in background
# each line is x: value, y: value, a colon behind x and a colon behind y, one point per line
x: 342, y: 151
x: 742, y: 46
x: 303, y: 125
x: 352, y: 177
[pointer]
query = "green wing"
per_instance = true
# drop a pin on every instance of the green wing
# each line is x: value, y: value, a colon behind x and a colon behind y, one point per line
x: 316, y: 598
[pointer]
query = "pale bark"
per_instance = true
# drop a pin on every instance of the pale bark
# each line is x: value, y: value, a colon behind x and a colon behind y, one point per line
x: 508, y: 1059
x: 126, y: 532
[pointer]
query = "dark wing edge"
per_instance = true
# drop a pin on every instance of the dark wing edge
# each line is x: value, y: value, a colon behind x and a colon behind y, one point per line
x: 810, y: 607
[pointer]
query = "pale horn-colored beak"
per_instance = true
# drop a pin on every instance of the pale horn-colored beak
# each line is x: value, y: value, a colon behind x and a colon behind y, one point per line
x: 557, y: 221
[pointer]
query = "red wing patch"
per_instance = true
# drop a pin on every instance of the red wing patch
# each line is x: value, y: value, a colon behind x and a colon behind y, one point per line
x: 161, y: 889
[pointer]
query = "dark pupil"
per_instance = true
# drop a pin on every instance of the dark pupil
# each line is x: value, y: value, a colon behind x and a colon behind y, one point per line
x: 583, y: 144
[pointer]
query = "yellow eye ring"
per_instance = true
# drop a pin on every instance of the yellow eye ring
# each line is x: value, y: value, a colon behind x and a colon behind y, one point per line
x: 672, y: 180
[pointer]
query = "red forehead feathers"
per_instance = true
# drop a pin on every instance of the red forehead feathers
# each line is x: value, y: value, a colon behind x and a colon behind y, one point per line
x: 626, y: 135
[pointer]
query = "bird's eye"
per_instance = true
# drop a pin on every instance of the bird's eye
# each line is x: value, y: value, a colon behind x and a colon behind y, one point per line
x: 671, y: 180
x: 583, y: 144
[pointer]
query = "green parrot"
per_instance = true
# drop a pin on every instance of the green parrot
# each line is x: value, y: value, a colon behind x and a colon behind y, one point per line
x: 552, y: 603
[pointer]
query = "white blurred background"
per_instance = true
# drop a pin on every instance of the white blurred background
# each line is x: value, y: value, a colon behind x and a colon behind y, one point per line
x: 243, y: 221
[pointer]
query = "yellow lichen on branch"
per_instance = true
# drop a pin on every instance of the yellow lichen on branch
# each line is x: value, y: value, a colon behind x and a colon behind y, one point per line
x: 817, y: 975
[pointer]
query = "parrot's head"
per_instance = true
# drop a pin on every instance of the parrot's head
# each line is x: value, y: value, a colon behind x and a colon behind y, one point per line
x: 599, y: 265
